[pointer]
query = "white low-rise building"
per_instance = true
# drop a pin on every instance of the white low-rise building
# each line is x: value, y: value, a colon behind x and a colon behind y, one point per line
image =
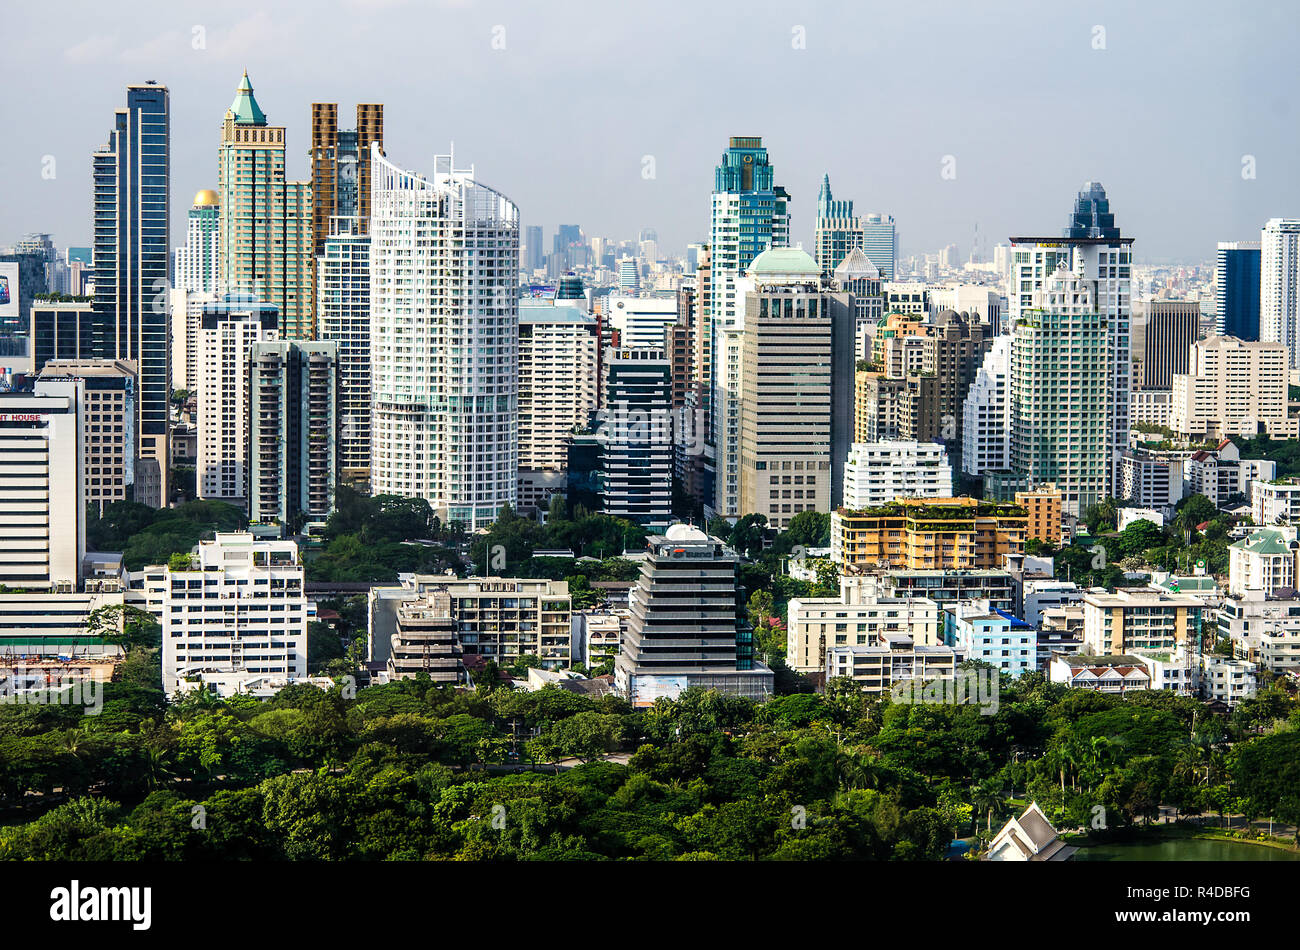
x: 239, y: 615
x: 1227, y: 680
x: 1038, y: 595
x: 1129, y: 515
x: 1263, y: 628
x: 1274, y: 503
x: 1222, y: 473
x: 877, y: 473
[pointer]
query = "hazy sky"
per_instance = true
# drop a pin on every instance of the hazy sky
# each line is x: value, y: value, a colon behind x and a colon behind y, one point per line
x: 561, y: 118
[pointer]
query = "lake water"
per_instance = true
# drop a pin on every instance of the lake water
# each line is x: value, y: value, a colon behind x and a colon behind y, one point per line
x: 1184, y: 849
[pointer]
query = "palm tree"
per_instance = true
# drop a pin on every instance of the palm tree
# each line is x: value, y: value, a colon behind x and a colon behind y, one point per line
x: 860, y: 771
x: 986, y: 797
x: 1096, y: 753
x: 159, y: 767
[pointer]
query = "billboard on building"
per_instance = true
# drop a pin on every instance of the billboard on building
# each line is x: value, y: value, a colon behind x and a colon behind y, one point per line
x: 9, y: 291
x: 646, y: 689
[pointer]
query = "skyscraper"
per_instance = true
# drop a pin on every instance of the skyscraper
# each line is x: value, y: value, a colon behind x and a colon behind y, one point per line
x: 196, y: 260
x: 838, y: 230
x: 880, y: 243
x: 796, y: 390
x: 636, y: 443
x: 568, y: 238
x: 340, y: 166
x: 557, y: 391
x: 1279, y: 295
x: 857, y: 275
x: 343, y: 316
x: 1237, y: 284
x: 266, y: 221
x: 1093, y: 250
x: 1060, y: 392
x: 953, y: 349
x: 534, y: 251
x: 1172, y: 326
x: 750, y: 215
x: 132, y: 242
x: 444, y: 272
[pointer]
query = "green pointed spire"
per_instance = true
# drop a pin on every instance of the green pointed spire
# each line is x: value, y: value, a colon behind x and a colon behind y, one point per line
x: 245, y: 107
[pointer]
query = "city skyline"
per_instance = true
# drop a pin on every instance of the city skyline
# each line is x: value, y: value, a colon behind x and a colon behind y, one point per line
x: 572, y: 169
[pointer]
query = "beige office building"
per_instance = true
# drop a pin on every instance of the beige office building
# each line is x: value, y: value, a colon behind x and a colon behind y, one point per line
x: 108, y: 391
x: 795, y: 397
x: 1232, y: 387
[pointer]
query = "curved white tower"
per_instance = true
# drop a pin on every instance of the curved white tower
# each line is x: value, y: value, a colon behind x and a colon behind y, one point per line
x: 444, y: 273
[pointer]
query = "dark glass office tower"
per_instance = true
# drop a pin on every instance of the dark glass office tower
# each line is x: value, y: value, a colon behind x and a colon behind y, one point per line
x: 1236, y: 279
x: 132, y: 240
x: 1092, y: 217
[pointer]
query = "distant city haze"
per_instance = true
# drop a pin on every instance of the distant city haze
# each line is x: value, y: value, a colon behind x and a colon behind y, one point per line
x: 613, y: 116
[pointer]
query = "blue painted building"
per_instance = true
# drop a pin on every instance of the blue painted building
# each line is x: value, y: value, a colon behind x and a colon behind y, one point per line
x: 992, y: 636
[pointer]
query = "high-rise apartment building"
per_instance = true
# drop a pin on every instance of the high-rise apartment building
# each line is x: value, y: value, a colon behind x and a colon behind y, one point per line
x: 196, y: 259
x: 340, y: 167
x: 637, y: 437
x: 292, y: 430
x: 107, y: 389
x: 186, y: 321
x: 877, y: 473
x: 265, y: 220
x: 928, y: 534
x: 895, y: 407
x: 1092, y: 249
x: 343, y: 317
x: 229, y: 329
x: 132, y: 174
x: 1060, y: 392
x: 1236, y: 289
x: 558, y: 380
x: 42, y: 512
x: 986, y: 413
x: 838, y: 230
x: 444, y: 271
x: 954, y: 345
x: 1279, y: 293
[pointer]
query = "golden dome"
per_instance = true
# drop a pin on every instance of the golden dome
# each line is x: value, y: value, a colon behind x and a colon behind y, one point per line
x: 206, y: 196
